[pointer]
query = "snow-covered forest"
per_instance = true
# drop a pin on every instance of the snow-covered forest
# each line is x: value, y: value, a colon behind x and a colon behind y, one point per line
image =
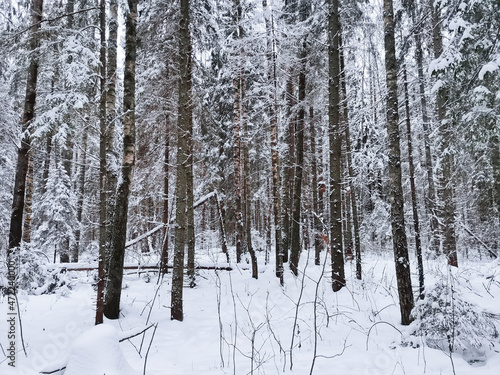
x: 249, y: 187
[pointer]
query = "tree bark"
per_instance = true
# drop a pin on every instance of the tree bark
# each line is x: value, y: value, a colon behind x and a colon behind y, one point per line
x: 289, y: 161
x: 335, y: 132
x: 246, y: 179
x: 28, y: 200
x: 237, y: 162
x: 495, y: 162
x: 190, y: 209
x: 46, y: 162
x: 164, y: 252
x: 431, y: 190
x: 117, y: 255
x: 16, y: 219
x: 273, y: 133
x: 81, y: 195
x: 289, y: 157
x: 237, y: 170
x: 183, y: 134
x: 396, y: 198
x: 295, y: 244
x: 317, y: 227
x: 353, y: 202
x: 111, y: 179
x: 416, y: 223
x: 102, y: 169
x: 445, y: 188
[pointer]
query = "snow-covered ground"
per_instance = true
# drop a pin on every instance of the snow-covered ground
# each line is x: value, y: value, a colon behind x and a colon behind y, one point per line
x: 234, y: 324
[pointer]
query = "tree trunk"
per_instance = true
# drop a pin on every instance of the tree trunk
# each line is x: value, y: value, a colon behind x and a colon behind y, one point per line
x: 237, y: 161
x: 111, y: 179
x: 246, y: 179
x: 431, y: 190
x: 28, y: 200
x: 67, y: 160
x: 183, y: 133
x: 295, y: 244
x: 445, y: 188
x: 117, y: 256
x: 81, y: 195
x: 495, y: 162
x: 353, y: 203
x: 314, y: 176
x: 67, y: 150
x: 190, y: 209
x: 273, y: 130
x: 396, y: 198
x: 16, y: 219
x: 317, y: 227
x: 289, y: 161
x: 416, y: 224
x: 102, y: 169
x: 237, y: 170
x: 222, y: 229
x: 46, y: 162
x: 164, y: 252
x: 335, y: 132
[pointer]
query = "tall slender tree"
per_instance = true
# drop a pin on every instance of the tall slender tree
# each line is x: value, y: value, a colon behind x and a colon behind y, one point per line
x: 117, y: 254
x: 80, y: 195
x: 183, y: 133
x: 295, y: 244
x: 166, y: 158
x: 352, y: 196
x: 445, y: 188
x: 400, y: 243
x: 238, y: 106
x: 335, y: 138
x: 431, y: 190
x: 273, y: 130
x: 110, y: 120
x: 413, y: 189
x: 102, y: 168
x: 290, y: 11
x: 317, y: 225
x: 16, y: 219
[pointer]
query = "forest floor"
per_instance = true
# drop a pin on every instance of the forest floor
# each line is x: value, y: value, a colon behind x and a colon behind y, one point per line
x: 234, y: 324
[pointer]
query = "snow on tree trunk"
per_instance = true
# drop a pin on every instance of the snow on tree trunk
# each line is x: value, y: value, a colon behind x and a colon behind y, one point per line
x: 416, y: 223
x: 445, y: 188
x: 335, y: 138
x: 166, y: 157
x: 81, y: 195
x: 111, y: 180
x: 117, y: 254
x: 431, y: 190
x: 16, y: 220
x: 102, y: 169
x: 273, y: 134
x: 295, y: 240
x: 28, y: 200
x: 396, y: 198
x: 351, y: 196
x: 183, y: 133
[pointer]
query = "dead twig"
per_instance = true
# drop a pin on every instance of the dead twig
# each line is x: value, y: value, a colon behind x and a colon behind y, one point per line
x: 149, y: 347
x: 136, y: 334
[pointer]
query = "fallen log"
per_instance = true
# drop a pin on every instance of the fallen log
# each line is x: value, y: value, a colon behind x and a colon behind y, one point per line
x: 138, y: 267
